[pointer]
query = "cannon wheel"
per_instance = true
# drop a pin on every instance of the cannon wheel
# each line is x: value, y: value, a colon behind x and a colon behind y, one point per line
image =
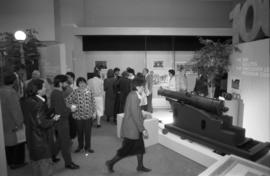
x: 164, y: 131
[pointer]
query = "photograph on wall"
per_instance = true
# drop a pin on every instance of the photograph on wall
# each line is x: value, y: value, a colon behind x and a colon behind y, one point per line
x: 160, y: 69
x: 160, y: 77
x: 158, y: 64
x: 101, y: 64
x: 184, y: 65
x: 235, y: 84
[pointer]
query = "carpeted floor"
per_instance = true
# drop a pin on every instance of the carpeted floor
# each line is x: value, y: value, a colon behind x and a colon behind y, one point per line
x: 161, y: 160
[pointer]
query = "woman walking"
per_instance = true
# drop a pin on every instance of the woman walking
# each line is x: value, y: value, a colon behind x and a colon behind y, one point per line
x: 132, y: 129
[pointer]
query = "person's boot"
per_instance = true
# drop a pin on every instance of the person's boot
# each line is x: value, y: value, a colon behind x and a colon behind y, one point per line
x: 110, y: 163
x: 140, y: 166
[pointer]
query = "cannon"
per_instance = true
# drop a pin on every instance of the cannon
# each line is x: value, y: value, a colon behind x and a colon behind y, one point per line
x: 201, y: 119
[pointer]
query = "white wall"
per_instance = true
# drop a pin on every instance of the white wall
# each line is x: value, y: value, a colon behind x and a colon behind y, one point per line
x: 37, y: 14
x: 71, y: 12
x: 157, y: 13
x: 134, y: 13
x: 53, y: 60
x: 251, y: 67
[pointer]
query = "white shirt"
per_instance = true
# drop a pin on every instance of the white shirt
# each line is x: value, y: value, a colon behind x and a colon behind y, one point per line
x: 96, y: 85
x: 131, y: 76
x: 181, y: 81
x: 73, y: 86
x: 143, y: 98
x: 40, y: 97
x: 172, y: 85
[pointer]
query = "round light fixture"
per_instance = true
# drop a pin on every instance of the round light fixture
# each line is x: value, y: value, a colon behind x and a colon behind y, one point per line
x: 20, y: 35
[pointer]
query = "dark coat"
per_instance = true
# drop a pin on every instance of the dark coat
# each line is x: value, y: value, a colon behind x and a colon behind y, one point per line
x: 11, y: 113
x: 124, y: 88
x: 201, y: 86
x: 38, y: 126
x: 132, y: 124
x: 110, y: 95
x: 59, y: 104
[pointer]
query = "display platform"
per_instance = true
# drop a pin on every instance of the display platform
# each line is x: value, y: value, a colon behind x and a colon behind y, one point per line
x: 196, y: 152
x: 231, y: 165
x: 192, y: 150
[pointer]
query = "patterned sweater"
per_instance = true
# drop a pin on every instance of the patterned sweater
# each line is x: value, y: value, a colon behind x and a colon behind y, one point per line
x: 85, y: 102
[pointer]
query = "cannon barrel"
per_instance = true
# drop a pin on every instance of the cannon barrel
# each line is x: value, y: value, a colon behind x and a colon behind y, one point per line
x: 207, y: 104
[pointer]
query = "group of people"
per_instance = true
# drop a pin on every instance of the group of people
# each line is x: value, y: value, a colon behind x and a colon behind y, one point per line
x: 42, y: 122
x: 54, y: 112
x: 118, y: 87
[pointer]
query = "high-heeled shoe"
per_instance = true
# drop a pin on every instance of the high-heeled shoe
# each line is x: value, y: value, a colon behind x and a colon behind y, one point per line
x: 143, y: 169
x: 72, y: 166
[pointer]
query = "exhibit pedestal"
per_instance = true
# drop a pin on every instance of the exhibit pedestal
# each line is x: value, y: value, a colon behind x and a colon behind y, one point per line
x: 191, y: 150
x: 151, y: 125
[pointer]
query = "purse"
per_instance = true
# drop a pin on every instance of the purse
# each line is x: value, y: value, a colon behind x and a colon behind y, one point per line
x: 20, y: 135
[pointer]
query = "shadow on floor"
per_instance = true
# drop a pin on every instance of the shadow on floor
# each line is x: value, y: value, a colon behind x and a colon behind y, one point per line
x: 161, y: 160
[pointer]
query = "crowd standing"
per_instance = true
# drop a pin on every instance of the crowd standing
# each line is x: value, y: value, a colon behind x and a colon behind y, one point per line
x: 54, y: 112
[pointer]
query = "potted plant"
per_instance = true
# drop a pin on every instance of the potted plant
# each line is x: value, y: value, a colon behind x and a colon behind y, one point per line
x: 10, y: 51
x: 212, y: 61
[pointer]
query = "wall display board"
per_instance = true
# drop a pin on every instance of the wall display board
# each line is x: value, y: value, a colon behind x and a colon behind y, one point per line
x: 249, y: 77
x: 249, y: 73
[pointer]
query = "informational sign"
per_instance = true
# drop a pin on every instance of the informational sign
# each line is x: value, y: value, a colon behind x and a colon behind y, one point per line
x: 249, y: 78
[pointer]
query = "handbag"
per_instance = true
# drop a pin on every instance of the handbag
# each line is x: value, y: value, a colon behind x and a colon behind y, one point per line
x: 20, y: 135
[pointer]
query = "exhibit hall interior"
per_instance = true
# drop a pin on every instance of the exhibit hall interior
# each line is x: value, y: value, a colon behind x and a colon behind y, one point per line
x: 131, y: 87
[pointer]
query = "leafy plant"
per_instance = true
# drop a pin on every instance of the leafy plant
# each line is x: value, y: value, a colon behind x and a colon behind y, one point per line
x: 10, y: 50
x: 212, y: 60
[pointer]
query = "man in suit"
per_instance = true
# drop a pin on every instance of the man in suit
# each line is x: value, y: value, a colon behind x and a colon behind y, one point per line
x: 149, y: 89
x: 62, y: 127
x: 117, y: 77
